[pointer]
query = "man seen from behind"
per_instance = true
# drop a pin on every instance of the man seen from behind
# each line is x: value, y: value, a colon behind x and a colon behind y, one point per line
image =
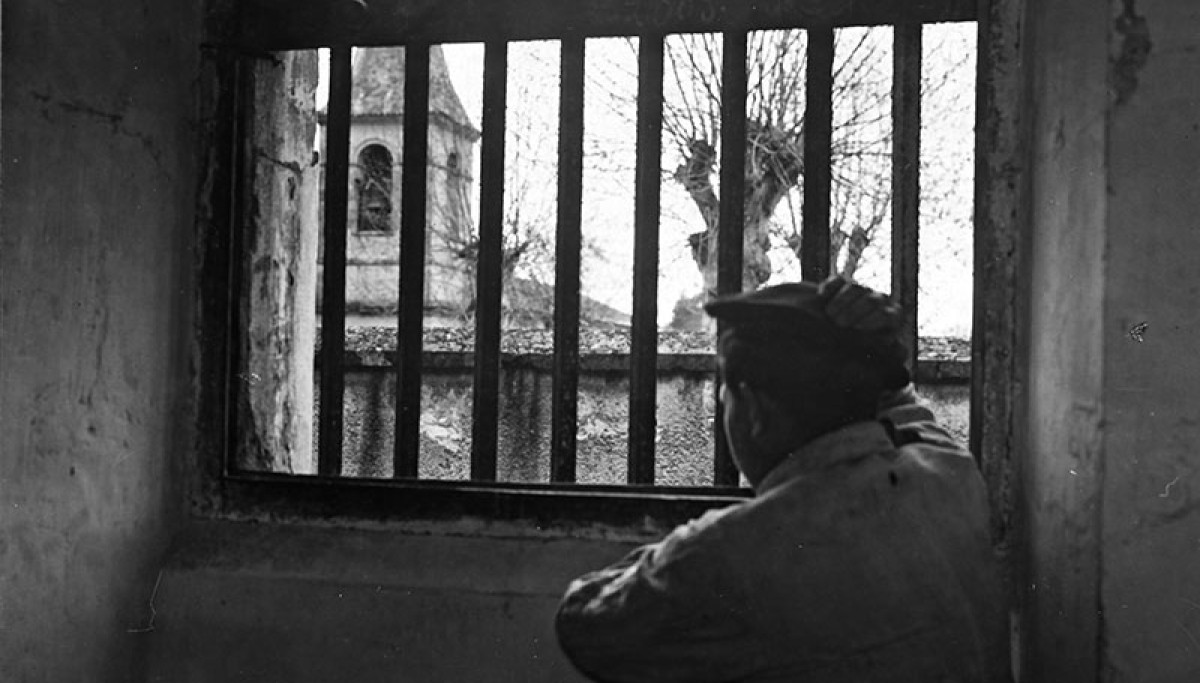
x: 864, y: 555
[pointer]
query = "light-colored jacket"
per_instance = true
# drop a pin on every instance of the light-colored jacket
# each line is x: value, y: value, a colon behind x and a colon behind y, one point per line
x: 858, y: 560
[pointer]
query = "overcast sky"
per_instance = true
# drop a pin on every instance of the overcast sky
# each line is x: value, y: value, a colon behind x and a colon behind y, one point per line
x: 947, y: 140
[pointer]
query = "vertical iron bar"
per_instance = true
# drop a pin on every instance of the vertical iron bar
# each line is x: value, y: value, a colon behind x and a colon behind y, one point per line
x: 906, y: 177
x: 568, y: 241
x: 233, y: 128
x: 412, y: 260
x: 333, y: 301
x: 730, y: 250
x: 818, y: 144
x: 643, y: 370
x: 489, y: 274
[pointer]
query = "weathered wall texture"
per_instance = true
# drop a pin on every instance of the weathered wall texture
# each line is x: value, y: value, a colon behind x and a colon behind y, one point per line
x: 252, y: 603
x: 99, y: 190
x: 683, y: 443
x: 1151, y: 516
x: 280, y: 266
x: 1112, y: 464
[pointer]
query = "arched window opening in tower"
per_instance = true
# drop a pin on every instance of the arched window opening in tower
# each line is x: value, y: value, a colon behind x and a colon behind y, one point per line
x: 375, y: 189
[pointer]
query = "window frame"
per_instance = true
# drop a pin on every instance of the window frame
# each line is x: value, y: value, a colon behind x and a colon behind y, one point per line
x: 264, y: 25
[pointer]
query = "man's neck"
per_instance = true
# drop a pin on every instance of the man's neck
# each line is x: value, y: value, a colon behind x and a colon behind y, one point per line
x: 830, y: 446
x: 820, y: 426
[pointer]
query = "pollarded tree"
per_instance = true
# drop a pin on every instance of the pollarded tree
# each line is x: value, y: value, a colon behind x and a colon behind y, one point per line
x: 775, y: 123
x: 775, y: 111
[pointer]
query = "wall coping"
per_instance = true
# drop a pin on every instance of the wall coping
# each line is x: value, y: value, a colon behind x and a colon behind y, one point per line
x: 603, y: 350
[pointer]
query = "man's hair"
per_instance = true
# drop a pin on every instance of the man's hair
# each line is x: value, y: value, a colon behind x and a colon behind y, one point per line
x: 797, y: 369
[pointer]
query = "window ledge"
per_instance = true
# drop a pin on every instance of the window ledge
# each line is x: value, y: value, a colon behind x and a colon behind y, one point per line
x: 470, y: 508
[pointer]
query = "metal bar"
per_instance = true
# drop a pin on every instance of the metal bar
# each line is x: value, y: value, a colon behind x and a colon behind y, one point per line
x: 333, y: 287
x: 568, y: 241
x: 231, y: 136
x: 906, y: 176
x: 275, y: 25
x: 643, y: 369
x: 818, y: 144
x: 730, y: 251
x: 489, y: 273
x: 412, y: 261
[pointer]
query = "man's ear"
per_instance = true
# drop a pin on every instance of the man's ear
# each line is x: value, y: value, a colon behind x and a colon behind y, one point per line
x: 757, y: 410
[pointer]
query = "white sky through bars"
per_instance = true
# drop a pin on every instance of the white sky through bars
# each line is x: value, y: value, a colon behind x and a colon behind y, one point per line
x: 947, y: 178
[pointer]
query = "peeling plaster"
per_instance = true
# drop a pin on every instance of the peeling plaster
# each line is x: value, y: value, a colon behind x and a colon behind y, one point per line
x: 293, y: 166
x: 1133, y: 53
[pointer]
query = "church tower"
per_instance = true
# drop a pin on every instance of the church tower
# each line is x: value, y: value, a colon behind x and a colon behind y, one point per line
x: 373, y: 220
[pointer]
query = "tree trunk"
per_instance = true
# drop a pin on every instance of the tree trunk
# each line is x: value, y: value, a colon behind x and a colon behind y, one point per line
x: 856, y: 243
x: 773, y: 160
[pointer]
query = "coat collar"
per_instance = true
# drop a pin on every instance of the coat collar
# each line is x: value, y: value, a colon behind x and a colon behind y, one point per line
x: 841, y: 445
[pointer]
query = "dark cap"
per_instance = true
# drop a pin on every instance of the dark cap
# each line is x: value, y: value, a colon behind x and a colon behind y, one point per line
x: 793, y: 304
x: 797, y: 309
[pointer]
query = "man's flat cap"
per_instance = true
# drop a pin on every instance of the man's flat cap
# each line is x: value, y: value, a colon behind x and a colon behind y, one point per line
x: 797, y: 309
x: 794, y: 303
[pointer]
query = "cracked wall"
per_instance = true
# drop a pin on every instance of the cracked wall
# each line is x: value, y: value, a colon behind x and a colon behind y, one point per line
x: 279, y: 271
x: 99, y: 187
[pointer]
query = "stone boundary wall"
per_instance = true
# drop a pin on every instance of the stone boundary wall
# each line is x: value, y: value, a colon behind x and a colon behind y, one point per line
x: 685, y: 407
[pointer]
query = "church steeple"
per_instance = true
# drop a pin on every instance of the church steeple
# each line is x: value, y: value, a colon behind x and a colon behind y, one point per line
x: 379, y: 86
x: 376, y: 183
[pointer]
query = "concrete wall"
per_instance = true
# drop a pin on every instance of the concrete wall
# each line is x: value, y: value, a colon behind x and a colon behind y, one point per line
x: 99, y: 189
x: 251, y: 603
x: 1112, y: 463
x: 1150, y: 593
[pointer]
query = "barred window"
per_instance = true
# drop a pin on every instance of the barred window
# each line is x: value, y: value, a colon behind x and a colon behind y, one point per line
x: 563, y: 185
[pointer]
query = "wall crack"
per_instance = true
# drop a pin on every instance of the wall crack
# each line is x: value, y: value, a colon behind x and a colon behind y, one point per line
x: 293, y: 166
x: 115, y: 120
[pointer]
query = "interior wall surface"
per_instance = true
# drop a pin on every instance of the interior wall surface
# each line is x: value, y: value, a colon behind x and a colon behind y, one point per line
x: 99, y: 189
x: 1067, y: 55
x: 1112, y: 464
x: 1151, y: 522
x: 253, y: 602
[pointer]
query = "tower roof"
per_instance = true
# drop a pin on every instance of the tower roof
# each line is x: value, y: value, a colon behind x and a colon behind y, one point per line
x: 378, y: 88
